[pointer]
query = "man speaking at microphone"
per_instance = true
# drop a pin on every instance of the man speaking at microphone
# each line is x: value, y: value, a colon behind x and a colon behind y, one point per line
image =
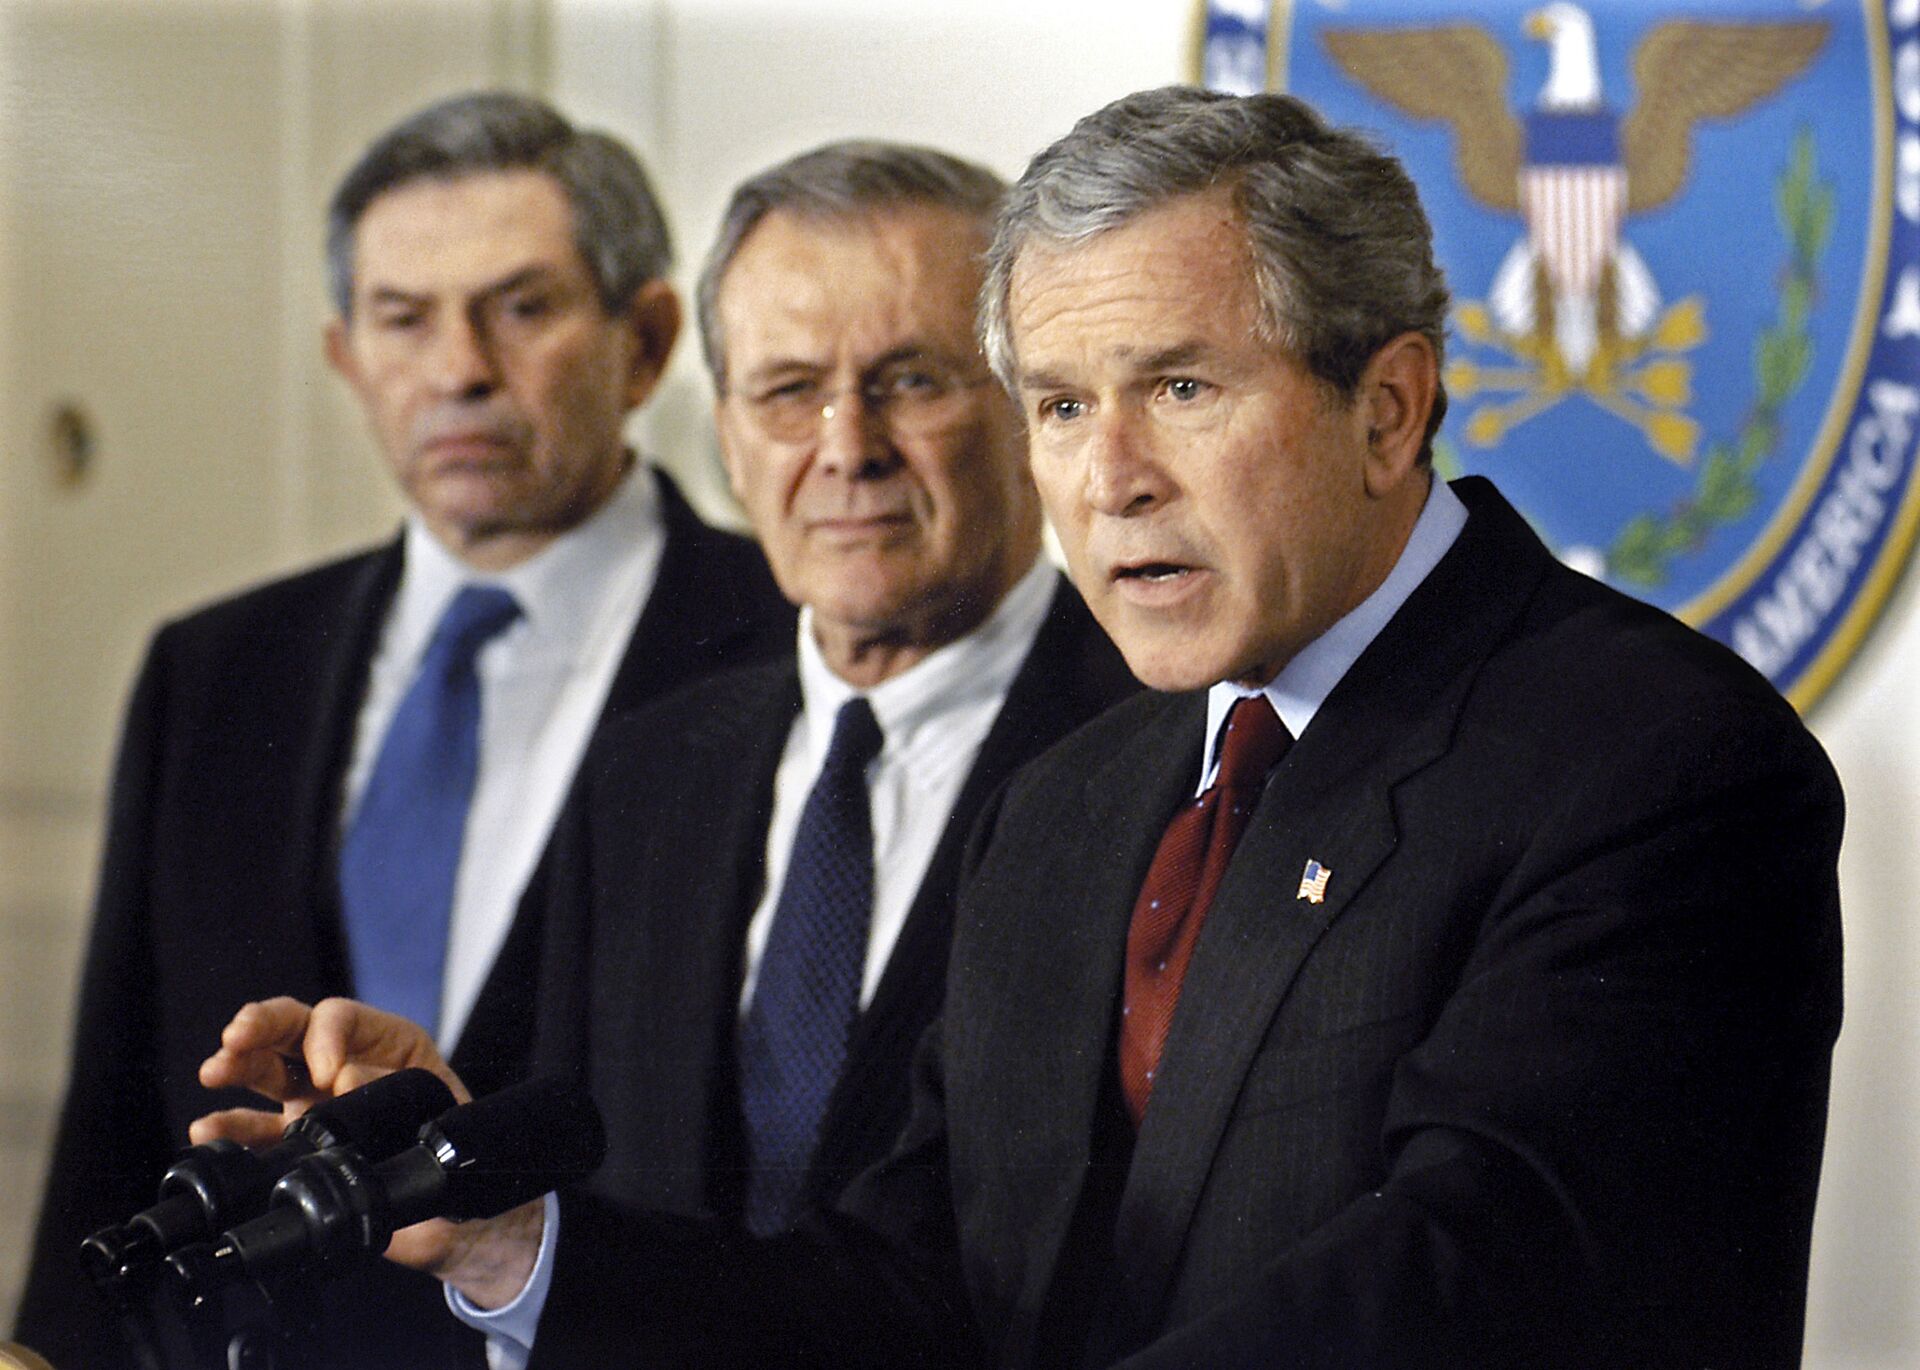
x: 1443, y: 972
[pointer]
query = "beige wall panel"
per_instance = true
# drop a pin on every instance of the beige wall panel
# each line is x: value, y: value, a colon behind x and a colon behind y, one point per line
x: 164, y: 166
x: 142, y: 261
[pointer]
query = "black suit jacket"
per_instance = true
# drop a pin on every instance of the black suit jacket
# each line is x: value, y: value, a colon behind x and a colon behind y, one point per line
x: 218, y: 883
x: 1541, y: 1081
x: 658, y: 867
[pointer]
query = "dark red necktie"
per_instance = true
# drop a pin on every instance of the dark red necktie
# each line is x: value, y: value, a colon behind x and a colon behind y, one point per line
x: 1180, y: 885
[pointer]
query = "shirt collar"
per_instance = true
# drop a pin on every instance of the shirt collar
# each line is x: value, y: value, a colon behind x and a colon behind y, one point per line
x: 558, y: 588
x: 974, y: 669
x: 1305, y: 682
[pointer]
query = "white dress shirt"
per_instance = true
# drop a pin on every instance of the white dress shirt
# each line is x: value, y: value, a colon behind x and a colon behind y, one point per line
x: 543, y: 683
x: 933, y: 716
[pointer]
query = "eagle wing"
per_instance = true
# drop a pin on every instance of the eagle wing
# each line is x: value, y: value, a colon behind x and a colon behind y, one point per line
x: 1456, y: 73
x: 1687, y: 70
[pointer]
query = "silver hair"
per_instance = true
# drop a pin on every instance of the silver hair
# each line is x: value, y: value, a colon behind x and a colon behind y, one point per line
x: 1342, y: 251
x: 837, y: 183
x: 617, y: 223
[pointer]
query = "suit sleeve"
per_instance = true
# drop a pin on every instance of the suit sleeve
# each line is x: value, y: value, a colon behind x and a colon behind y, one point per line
x: 870, y: 1287
x: 875, y: 1283
x: 561, y: 888
x: 1606, y: 1150
x: 111, y: 1126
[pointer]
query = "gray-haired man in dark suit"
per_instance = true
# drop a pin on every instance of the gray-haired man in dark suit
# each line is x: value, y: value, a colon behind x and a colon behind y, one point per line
x: 501, y: 307
x: 1443, y: 971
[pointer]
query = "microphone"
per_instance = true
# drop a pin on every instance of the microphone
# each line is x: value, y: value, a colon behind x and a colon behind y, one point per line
x: 475, y: 1161
x: 215, y: 1185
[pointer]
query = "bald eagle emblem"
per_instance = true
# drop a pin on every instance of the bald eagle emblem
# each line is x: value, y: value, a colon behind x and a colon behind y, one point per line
x: 1573, y: 309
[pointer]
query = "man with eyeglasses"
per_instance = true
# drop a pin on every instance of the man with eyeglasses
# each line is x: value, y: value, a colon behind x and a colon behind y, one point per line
x: 752, y: 895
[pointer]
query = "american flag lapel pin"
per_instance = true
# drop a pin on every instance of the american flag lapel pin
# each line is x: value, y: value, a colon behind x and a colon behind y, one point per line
x: 1313, y: 883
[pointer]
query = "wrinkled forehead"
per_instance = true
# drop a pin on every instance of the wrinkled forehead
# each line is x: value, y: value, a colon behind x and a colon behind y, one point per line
x: 852, y: 289
x: 476, y: 220
x: 1182, y: 269
x: 1175, y: 235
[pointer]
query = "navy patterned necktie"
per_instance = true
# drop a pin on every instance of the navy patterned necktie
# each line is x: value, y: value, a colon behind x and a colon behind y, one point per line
x: 793, y: 1044
x: 401, y: 853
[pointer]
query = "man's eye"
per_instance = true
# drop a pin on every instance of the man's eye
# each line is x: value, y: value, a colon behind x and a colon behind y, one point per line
x: 1062, y: 410
x: 397, y: 320
x: 914, y: 382
x: 785, y: 392
x: 906, y: 383
x: 1185, y: 389
x: 529, y: 306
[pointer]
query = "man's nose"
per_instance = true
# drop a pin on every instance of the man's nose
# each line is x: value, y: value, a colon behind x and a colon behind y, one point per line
x: 1121, y: 476
x: 464, y: 361
x: 854, y: 440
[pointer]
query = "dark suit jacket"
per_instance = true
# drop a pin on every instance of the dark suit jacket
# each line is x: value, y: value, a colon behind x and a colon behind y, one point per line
x: 658, y: 866
x: 1542, y: 1081
x: 218, y: 882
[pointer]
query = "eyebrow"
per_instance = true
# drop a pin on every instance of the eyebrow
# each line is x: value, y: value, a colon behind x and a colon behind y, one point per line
x: 1175, y: 357
x: 535, y: 274
x: 1040, y: 380
x: 905, y: 352
x: 1165, y: 359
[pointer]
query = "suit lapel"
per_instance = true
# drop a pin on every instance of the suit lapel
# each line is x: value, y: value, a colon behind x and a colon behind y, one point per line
x: 1073, y: 985
x: 338, y: 676
x: 1256, y: 937
x: 1329, y: 801
x: 696, y: 875
x: 695, y: 613
x: 710, y: 606
x: 1043, y: 703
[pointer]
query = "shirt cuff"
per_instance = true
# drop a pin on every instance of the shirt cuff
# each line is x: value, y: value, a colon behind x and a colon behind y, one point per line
x: 510, y: 1327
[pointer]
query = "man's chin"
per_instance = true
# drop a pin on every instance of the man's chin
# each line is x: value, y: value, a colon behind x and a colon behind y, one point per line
x: 1163, y: 652
x: 1170, y: 666
x: 482, y: 531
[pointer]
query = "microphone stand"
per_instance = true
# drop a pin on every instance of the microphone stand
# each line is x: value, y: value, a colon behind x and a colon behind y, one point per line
x: 243, y: 1325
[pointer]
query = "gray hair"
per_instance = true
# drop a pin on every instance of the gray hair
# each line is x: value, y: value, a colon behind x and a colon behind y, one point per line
x: 837, y: 183
x: 617, y: 224
x: 1342, y: 251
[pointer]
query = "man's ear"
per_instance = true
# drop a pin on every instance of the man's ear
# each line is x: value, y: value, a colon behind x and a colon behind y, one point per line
x: 1396, y: 395
x: 654, y: 317
x: 728, y: 462
x: 339, y: 350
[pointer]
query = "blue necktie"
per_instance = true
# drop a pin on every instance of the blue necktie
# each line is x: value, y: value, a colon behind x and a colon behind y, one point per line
x: 402, y: 850
x: 793, y: 1044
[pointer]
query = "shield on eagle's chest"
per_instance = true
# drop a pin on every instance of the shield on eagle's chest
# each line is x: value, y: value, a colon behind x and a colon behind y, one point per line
x: 1573, y: 192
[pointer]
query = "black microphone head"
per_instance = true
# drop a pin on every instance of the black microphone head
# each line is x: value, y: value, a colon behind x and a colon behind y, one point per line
x: 378, y: 1119
x: 515, y: 1145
